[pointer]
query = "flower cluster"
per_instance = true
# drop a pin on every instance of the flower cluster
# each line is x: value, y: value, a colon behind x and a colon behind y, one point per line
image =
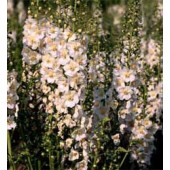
x: 125, y: 83
x: 61, y: 56
x: 117, y: 11
x: 144, y: 127
x: 97, y: 68
x: 12, y: 99
x: 93, y: 97
x: 153, y: 53
x: 102, y: 103
x: 12, y: 8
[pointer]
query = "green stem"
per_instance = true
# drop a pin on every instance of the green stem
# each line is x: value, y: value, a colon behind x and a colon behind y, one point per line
x: 58, y: 162
x: 96, y: 156
x: 12, y: 165
x: 49, y: 157
x: 75, y: 6
x: 25, y: 146
x: 39, y: 165
x: 123, y: 160
x: 51, y: 162
x: 29, y: 162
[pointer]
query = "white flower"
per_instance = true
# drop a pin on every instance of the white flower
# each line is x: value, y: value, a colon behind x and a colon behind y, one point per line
x: 152, y: 95
x: 49, y: 108
x: 82, y: 61
x: 116, y: 139
x: 79, y: 134
x: 68, y: 121
x: 53, y: 31
x: 69, y: 142
x: 30, y: 57
x: 52, y: 48
x: 125, y: 93
x: 61, y: 44
x: 11, y: 123
x: 48, y: 61
x: 32, y: 41
x: 123, y: 113
x: 63, y: 57
x: 69, y: 35
x: 76, y: 80
x: 63, y: 85
x: 117, y: 69
x: 127, y: 75
x: 118, y: 83
x: 71, y: 68
x: 152, y: 59
x: 50, y: 75
x: 74, y: 155
x: 122, y: 128
x: 75, y: 49
x: 78, y: 112
x: 82, y: 165
x: 147, y: 123
x: 71, y: 98
x: 45, y: 88
x: 11, y: 100
x: 60, y: 106
x: 139, y: 132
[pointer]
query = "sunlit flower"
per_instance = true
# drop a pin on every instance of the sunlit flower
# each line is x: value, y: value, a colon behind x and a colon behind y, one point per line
x: 76, y: 80
x: 78, y: 112
x: 63, y: 85
x: 69, y: 35
x: 30, y: 57
x: 82, y: 165
x: 74, y: 155
x: 11, y: 123
x: 127, y: 75
x: 139, y: 132
x: 71, y: 98
x: 68, y: 121
x: 53, y: 31
x: 75, y: 49
x: 79, y: 134
x: 81, y: 60
x: 64, y: 57
x: 11, y: 100
x: 69, y: 142
x: 125, y: 93
x: 60, y: 106
x: 71, y: 68
x: 116, y: 139
x: 49, y: 75
x: 118, y: 83
x: 48, y: 61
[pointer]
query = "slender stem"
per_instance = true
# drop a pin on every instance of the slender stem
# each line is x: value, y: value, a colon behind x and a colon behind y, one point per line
x: 123, y: 160
x: 58, y: 162
x: 12, y: 165
x: 29, y: 162
x: 25, y: 146
x: 96, y: 156
x: 39, y: 165
x: 51, y: 161
x: 75, y: 6
x: 49, y: 157
x: 75, y: 13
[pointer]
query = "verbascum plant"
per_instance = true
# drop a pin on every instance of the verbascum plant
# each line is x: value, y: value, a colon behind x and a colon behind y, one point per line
x: 84, y: 90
